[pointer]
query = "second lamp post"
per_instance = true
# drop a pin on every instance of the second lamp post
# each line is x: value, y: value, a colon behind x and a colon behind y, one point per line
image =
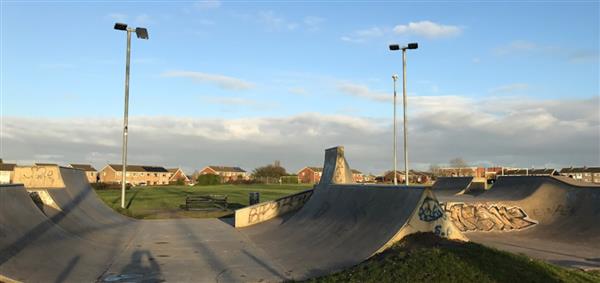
x: 396, y: 47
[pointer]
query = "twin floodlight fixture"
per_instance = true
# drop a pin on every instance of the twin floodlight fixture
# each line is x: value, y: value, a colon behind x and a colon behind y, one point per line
x: 142, y: 33
x: 395, y: 47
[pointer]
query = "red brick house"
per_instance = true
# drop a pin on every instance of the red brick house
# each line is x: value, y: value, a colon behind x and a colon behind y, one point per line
x: 310, y: 175
x: 227, y: 173
x: 90, y: 172
x: 176, y: 174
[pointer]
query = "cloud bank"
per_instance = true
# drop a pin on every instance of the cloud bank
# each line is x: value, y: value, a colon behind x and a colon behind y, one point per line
x: 493, y: 131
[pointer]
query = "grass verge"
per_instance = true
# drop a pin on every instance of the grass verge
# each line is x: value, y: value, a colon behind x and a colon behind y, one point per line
x: 424, y: 257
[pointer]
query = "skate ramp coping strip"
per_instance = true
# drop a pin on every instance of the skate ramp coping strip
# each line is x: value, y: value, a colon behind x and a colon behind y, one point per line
x: 38, y: 176
x: 264, y: 211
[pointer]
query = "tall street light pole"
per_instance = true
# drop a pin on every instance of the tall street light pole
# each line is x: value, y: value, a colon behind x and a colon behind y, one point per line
x: 396, y: 47
x: 141, y: 33
x: 395, y: 78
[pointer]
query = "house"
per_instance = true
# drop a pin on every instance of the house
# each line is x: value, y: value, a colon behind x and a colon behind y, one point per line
x: 90, y: 172
x: 176, y: 174
x: 414, y: 177
x: 7, y: 172
x: 136, y: 174
x: 529, y: 172
x: 584, y: 174
x: 227, y: 173
x: 310, y: 175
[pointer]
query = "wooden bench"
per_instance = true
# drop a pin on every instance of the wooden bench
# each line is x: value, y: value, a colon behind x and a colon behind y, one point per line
x: 206, y: 202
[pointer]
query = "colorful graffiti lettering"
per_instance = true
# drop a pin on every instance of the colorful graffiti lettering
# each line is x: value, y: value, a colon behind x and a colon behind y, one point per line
x: 430, y: 210
x: 483, y: 217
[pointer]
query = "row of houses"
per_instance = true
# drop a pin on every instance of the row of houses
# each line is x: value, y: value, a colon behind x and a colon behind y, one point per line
x: 157, y: 175
x: 583, y: 174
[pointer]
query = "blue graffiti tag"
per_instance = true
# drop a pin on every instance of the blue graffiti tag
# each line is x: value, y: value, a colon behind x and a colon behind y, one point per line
x: 430, y: 210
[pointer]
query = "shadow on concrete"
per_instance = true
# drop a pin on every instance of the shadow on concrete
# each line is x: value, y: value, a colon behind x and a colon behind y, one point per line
x: 62, y: 277
x: 141, y: 268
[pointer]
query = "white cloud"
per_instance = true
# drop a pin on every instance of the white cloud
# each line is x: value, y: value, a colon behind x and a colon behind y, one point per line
x: 221, y: 81
x: 364, y: 34
x: 498, y: 131
x: 143, y: 20
x: 363, y: 91
x: 428, y: 29
x: 313, y: 23
x: 230, y: 100
x: 274, y: 22
x: 510, y: 88
x: 584, y: 56
x: 298, y: 91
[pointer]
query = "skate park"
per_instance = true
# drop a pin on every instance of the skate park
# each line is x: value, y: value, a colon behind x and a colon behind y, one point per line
x: 335, y: 226
x: 87, y: 241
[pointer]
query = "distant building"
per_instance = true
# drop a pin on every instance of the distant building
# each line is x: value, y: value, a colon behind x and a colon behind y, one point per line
x: 528, y: 172
x: 90, y: 172
x: 414, y: 177
x: 310, y: 175
x: 357, y: 176
x: 7, y: 172
x: 584, y: 174
x: 46, y: 164
x: 227, y: 173
x: 136, y: 175
x: 176, y: 174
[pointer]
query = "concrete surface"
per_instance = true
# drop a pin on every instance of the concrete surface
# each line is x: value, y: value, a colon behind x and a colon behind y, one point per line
x: 566, y: 216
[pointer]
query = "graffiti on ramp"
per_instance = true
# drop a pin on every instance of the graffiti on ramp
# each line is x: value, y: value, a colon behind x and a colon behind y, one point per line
x: 488, y: 217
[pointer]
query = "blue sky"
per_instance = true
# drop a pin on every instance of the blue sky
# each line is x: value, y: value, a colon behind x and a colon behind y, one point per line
x: 230, y: 61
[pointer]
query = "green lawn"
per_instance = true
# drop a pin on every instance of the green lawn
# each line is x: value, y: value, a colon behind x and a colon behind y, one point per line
x: 426, y: 258
x: 164, y: 201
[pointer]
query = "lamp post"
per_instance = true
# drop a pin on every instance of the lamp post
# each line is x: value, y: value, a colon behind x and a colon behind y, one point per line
x: 141, y: 33
x: 396, y: 47
x: 395, y: 78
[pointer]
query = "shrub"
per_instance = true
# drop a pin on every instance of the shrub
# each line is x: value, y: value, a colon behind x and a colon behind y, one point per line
x: 208, y: 179
x: 108, y: 186
x: 292, y: 179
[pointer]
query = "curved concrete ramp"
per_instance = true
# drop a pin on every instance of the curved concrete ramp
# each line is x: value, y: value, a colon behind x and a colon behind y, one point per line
x: 33, y: 249
x: 451, y: 185
x: 542, y: 216
x: 343, y: 224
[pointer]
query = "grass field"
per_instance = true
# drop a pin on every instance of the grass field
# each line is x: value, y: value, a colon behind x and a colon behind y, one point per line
x: 164, y: 201
x: 426, y: 258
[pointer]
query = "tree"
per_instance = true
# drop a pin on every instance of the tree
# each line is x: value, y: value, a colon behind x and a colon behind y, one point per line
x: 434, y: 169
x: 269, y: 171
x: 460, y: 165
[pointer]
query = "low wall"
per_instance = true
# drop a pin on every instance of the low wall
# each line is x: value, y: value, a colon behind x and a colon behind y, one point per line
x: 264, y: 211
x: 38, y: 177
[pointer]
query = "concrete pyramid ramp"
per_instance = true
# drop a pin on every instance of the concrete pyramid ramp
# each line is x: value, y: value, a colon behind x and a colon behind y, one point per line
x: 343, y: 224
x: 543, y: 216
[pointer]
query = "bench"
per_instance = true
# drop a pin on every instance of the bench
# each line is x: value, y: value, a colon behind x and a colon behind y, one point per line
x: 206, y: 202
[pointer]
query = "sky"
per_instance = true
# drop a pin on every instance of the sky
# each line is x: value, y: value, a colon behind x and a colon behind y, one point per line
x: 240, y: 83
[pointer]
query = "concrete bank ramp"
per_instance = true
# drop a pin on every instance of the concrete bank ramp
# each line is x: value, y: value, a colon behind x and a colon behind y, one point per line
x: 344, y: 224
x: 451, y: 185
x: 543, y: 216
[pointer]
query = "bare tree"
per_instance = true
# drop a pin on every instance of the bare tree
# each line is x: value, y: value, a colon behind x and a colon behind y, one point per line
x: 460, y: 165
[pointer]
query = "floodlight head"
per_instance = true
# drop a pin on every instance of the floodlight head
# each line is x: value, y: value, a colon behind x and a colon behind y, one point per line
x: 394, y: 47
x: 141, y: 33
x: 394, y: 77
x: 413, y: 45
x: 120, y: 26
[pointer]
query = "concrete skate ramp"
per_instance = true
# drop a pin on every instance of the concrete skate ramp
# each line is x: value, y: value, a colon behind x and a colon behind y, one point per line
x: 542, y: 216
x: 34, y: 249
x: 343, y: 224
x: 451, y: 185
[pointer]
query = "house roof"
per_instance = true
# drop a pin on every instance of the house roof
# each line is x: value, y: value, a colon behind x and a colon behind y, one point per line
x: 84, y: 167
x: 227, y: 169
x: 530, y: 171
x: 138, y: 168
x: 580, y: 170
x: 354, y: 171
x: 172, y: 170
x: 7, y: 166
x: 46, y: 164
